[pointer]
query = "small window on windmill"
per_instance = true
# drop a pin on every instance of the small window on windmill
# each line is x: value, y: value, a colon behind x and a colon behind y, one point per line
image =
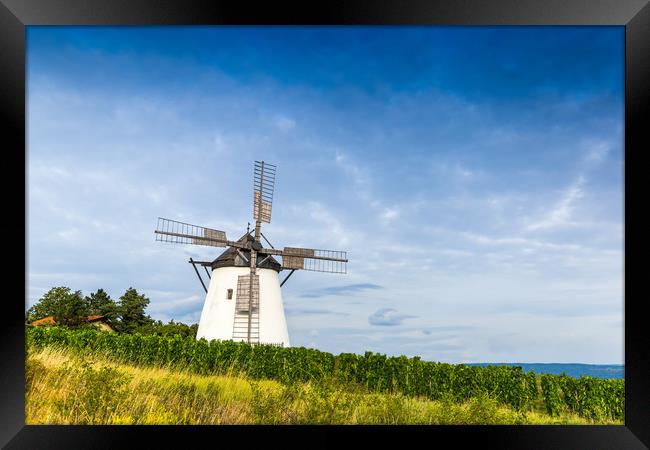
x: 229, y: 294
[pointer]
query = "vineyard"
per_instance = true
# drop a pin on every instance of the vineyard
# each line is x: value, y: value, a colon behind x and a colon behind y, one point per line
x: 587, y: 397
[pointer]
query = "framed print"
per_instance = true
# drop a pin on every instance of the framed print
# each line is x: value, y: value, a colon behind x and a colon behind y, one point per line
x: 440, y: 244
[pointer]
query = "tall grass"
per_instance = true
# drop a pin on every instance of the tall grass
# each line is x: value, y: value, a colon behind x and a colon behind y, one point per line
x: 64, y: 388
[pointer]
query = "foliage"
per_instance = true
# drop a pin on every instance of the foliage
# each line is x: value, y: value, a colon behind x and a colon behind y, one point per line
x: 593, y: 398
x: 531, y: 387
x: 552, y: 392
x: 98, y: 392
x: 63, y: 387
x: 170, y: 329
x: 131, y: 311
x: 68, y: 308
x: 71, y: 310
x: 373, y: 372
x: 100, y: 303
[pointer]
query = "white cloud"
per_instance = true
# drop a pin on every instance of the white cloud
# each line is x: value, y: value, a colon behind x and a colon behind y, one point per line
x: 457, y: 172
x: 389, y: 214
x: 387, y: 317
x: 359, y: 175
x: 561, y: 214
x: 363, y: 189
x: 329, y: 227
x: 518, y: 242
x: 597, y: 151
x: 284, y: 124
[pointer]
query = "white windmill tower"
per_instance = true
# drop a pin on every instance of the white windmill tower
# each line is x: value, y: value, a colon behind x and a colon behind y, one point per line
x: 244, y: 301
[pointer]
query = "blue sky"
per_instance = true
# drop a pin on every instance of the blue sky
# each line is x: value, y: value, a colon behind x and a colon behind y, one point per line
x: 473, y: 174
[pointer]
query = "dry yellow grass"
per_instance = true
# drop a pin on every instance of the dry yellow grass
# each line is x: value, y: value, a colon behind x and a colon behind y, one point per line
x: 146, y: 396
x: 62, y: 389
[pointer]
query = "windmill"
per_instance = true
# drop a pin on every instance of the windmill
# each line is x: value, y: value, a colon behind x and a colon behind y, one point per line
x: 244, y: 301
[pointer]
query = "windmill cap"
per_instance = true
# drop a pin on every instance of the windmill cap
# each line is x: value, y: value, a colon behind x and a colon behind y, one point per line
x: 231, y: 258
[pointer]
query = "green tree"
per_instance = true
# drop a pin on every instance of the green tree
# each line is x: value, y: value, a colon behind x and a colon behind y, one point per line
x: 131, y: 309
x: 170, y: 329
x: 68, y: 308
x: 100, y: 303
x: 150, y: 328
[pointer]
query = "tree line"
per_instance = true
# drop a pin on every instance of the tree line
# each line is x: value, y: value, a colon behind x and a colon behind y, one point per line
x: 71, y: 309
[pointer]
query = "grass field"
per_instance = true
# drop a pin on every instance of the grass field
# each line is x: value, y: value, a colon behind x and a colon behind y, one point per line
x: 67, y: 389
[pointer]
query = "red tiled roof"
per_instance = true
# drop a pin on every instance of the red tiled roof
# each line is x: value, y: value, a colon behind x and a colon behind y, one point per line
x: 93, y: 318
x: 49, y: 320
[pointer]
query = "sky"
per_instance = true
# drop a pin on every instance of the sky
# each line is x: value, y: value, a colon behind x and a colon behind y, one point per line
x: 474, y: 175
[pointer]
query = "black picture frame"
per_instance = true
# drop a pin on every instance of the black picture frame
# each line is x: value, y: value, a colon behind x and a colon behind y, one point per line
x: 15, y: 15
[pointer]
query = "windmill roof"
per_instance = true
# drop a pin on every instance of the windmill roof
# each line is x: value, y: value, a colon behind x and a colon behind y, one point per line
x: 95, y: 317
x: 231, y: 258
x: 49, y: 320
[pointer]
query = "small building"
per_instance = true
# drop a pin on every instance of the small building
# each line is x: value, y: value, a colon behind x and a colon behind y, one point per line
x: 100, y: 322
x: 49, y: 320
x: 97, y: 321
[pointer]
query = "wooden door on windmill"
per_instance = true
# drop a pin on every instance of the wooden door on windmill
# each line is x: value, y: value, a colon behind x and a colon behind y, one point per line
x: 244, y: 293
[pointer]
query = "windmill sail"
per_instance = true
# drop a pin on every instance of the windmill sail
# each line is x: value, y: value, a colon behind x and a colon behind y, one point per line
x: 185, y: 233
x: 331, y: 261
x: 263, y: 185
x: 261, y: 209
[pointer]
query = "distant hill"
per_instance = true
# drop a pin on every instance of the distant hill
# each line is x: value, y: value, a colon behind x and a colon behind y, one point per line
x: 572, y: 370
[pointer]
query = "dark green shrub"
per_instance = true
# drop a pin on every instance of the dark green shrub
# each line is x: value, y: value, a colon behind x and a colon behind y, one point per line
x: 552, y: 394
